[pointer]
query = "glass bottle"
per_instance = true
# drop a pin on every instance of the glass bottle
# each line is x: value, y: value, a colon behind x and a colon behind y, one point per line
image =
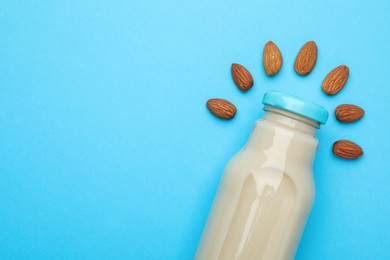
x: 267, y: 189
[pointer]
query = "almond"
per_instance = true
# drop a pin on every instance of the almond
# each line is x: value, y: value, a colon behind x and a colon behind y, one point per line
x: 221, y: 108
x: 242, y: 77
x: 335, y: 80
x: 272, y: 59
x: 348, y: 113
x: 306, y: 58
x: 347, y: 149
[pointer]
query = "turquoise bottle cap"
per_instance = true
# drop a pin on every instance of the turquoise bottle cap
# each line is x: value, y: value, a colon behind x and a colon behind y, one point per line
x: 296, y: 105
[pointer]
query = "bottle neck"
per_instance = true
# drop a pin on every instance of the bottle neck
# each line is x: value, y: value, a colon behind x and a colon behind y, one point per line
x: 286, y: 140
x: 291, y: 120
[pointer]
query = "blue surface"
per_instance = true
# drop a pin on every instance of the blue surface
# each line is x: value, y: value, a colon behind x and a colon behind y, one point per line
x: 107, y: 150
x: 297, y: 105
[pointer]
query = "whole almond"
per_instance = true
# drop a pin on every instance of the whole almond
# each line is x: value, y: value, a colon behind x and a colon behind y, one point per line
x: 272, y: 59
x: 348, y: 113
x: 221, y: 108
x: 335, y: 80
x: 306, y: 58
x: 242, y: 77
x: 347, y: 149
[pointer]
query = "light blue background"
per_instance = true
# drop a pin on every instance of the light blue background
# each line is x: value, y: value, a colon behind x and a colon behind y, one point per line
x: 107, y: 150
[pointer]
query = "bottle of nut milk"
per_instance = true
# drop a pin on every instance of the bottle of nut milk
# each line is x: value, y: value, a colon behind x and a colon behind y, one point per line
x: 267, y: 189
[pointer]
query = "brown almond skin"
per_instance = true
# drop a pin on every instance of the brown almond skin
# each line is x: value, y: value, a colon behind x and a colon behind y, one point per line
x: 335, y: 80
x: 241, y: 77
x: 272, y: 59
x: 306, y: 58
x: 221, y: 108
x: 348, y: 113
x: 347, y: 150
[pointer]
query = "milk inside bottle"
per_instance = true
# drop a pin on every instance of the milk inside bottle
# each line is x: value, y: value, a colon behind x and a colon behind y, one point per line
x: 267, y: 189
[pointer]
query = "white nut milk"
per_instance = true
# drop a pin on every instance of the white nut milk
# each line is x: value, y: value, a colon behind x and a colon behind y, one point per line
x: 267, y: 189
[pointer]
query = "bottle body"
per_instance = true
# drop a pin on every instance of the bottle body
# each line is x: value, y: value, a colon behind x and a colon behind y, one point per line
x: 266, y: 193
